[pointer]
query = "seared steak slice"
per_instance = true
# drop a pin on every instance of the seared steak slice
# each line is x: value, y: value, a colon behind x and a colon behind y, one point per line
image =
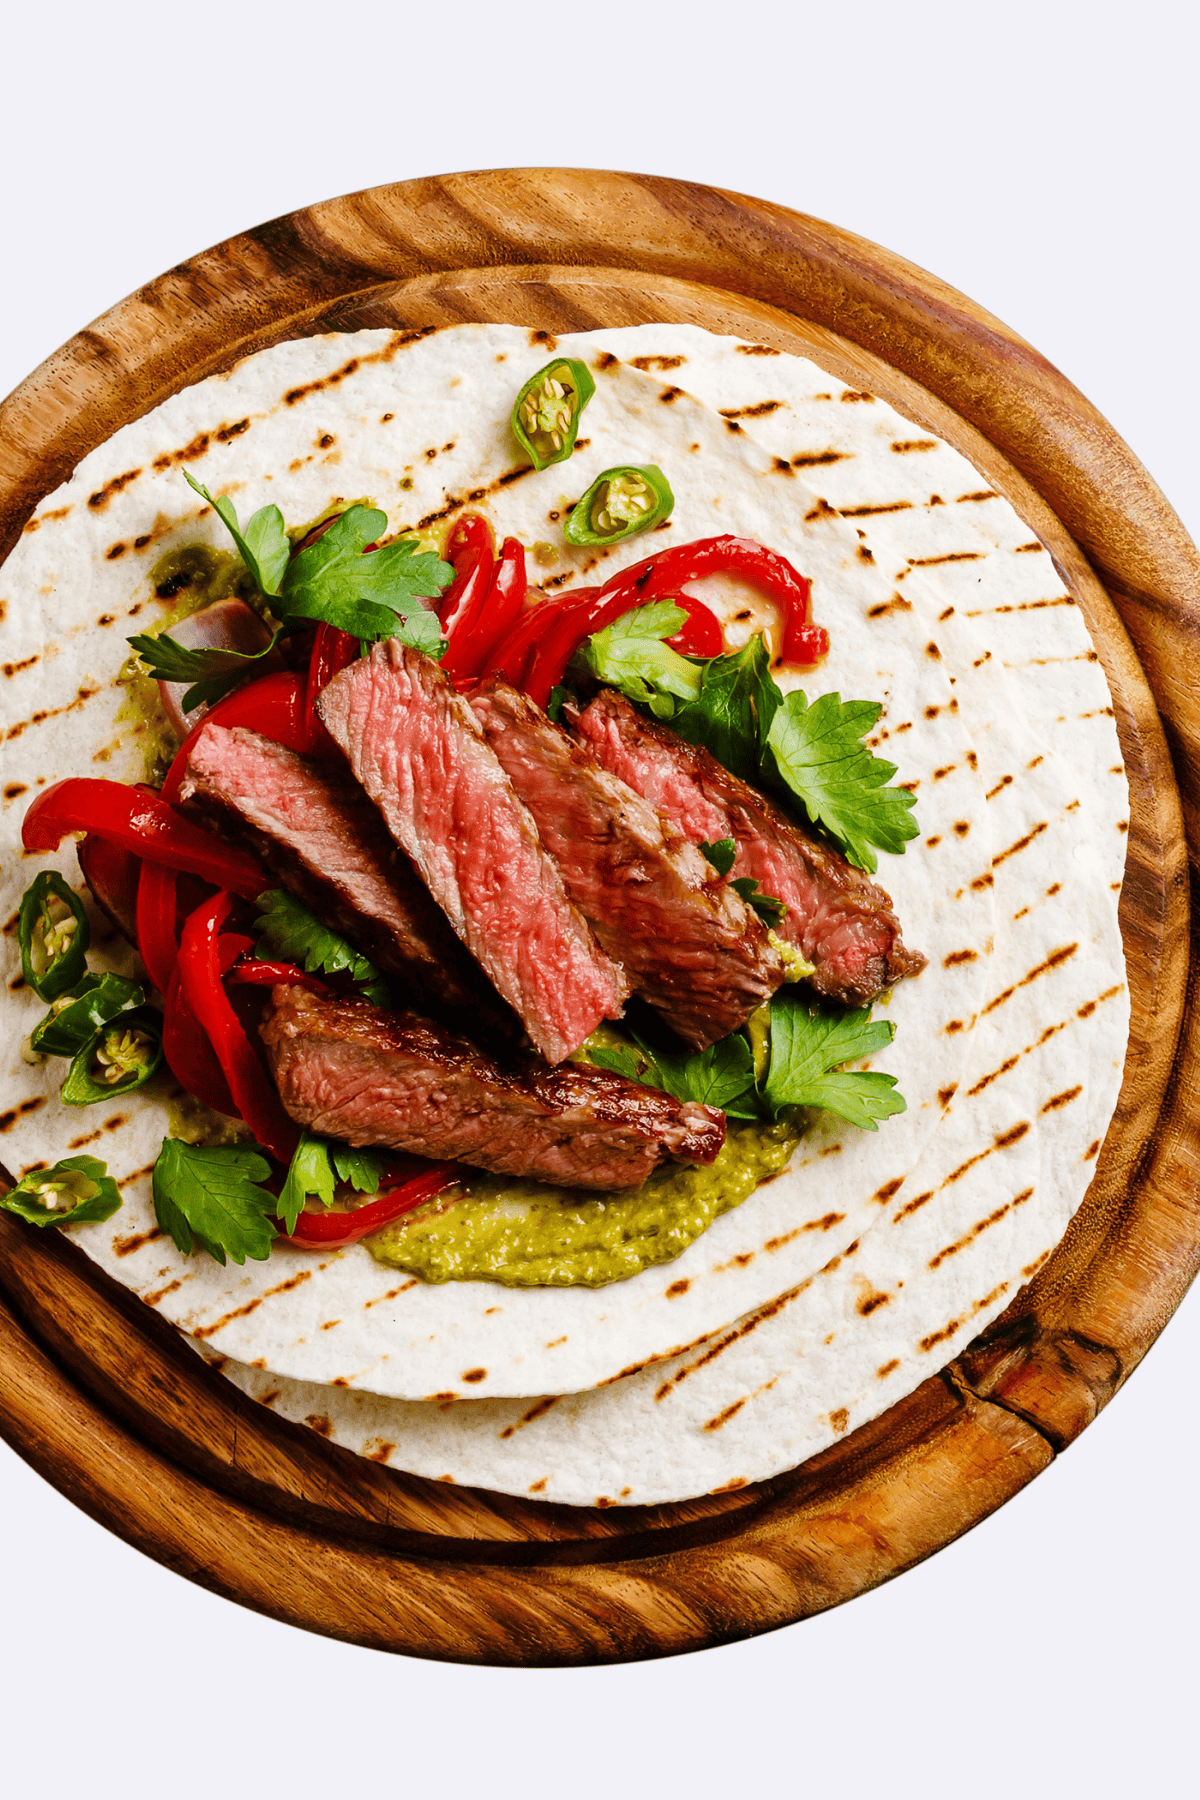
x: 837, y: 918
x: 688, y: 943
x: 419, y: 751
x: 348, y: 1069
x: 321, y: 838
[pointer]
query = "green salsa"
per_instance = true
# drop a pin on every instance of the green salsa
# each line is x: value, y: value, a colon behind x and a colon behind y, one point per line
x: 526, y: 1234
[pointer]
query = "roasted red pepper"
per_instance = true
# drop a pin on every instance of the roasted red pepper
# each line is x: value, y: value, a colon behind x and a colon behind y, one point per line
x: 330, y: 1230
x: 702, y: 635
x: 201, y: 954
x: 141, y: 821
x: 469, y: 543
x: 474, y: 584
x: 266, y: 974
x: 667, y: 573
x: 332, y: 651
x: 493, y: 621
x: 189, y: 1054
x: 513, y: 655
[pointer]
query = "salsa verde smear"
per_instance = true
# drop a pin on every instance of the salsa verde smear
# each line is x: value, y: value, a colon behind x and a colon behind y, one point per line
x: 527, y: 1234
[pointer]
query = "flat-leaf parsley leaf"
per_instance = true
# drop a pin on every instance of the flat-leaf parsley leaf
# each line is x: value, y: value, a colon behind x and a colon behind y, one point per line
x: 210, y: 1195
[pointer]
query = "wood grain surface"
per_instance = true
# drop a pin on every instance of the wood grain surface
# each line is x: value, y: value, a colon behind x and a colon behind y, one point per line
x: 103, y: 1398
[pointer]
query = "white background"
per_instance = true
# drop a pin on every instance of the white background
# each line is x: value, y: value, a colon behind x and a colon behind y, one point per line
x: 1043, y: 159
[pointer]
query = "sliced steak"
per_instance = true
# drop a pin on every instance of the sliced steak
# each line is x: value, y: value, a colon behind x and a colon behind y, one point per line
x: 419, y: 751
x: 348, y: 1069
x: 688, y: 943
x: 321, y: 838
x: 837, y: 918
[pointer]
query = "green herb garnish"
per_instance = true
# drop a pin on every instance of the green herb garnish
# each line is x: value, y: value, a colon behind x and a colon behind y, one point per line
x: 809, y: 1045
x: 316, y: 1168
x: 290, y: 931
x: 211, y: 1195
x: 630, y: 655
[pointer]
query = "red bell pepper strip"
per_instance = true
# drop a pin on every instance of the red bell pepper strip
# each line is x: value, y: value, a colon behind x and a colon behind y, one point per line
x: 803, y: 642
x: 666, y: 573
x: 474, y: 583
x: 113, y: 875
x: 496, y: 617
x: 139, y: 820
x: 470, y: 541
x: 332, y: 651
x: 702, y: 635
x: 158, y: 944
x: 190, y: 1056
x: 199, y: 965
x: 266, y: 974
x: 330, y: 1230
x: 513, y: 654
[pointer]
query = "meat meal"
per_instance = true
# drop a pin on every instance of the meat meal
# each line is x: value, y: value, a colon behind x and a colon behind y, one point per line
x: 350, y: 1070
x: 837, y: 918
x: 688, y: 943
x: 321, y: 838
x: 420, y: 753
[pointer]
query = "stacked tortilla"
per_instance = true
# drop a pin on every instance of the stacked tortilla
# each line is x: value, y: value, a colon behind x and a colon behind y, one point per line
x: 841, y: 1285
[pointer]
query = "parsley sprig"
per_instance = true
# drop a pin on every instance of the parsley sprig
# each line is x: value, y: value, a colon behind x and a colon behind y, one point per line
x: 330, y: 582
x: 807, y: 1048
x: 289, y: 930
x: 212, y: 1195
x: 813, y: 755
x: 630, y: 655
x: 317, y: 1167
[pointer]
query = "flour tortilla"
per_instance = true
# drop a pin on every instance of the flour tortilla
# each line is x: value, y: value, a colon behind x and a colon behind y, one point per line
x: 80, y: 574
x: 988, y: 1201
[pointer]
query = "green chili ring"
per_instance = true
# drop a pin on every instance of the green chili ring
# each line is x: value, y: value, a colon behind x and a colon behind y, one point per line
x: 620, y: 503
x: 44, y: 1196
x: 53, y: 933
x: 545, y: 417
x: 75, y: 1018
x: 130, y: 1044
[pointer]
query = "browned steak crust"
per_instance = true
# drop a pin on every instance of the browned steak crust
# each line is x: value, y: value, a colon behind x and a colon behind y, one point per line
x: 837, y: 917
x: 688, y: 943
x: 352, y: 1071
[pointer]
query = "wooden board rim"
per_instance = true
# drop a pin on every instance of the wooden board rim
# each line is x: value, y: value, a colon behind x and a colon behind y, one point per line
x: 1014, y: 1397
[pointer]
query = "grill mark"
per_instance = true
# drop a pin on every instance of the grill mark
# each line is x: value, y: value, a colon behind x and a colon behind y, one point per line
x: 661, y: 363
x: 536, y: 1411
x: 378, y: 1450
x: 190, y: 453
x: 755, y: 350
x: 839, y: 1418
x: 723, y: 1418
x: 903, y: 447
x: 9, y: 1118
x: 868, y: 512
x: 126, y: 1246
x: 1063, y: 1099
x: 161, y: 1294
x: 826, y: 1223
x: 676, y: 1289
x: 100, y: 499
x: 993, y: 1218
x: 241, y: 1312
x: 1025, y: 606
x: 399, y: 341
x: 751, y: 412
x: 391, y: 1293
x: 146, y: 1169
x: 743, y: 1330
x: 39, y: 718
x: 897, y: 603
x: 959, y: 956
x: 887, y: 1368
x: 1021, y: 844
x: 1004, y: 781
x: 931, y: 562
x: 853, y: 394
x: 1022, y: 549
x: 669, y: 394
x: 1043, y: 968
x: 987, y: 1080
x: 17, y: 668
x: 872, y: 1302
x: 1003, y: 1142
x: 319, y: 1423
x: 939, y: 1337
x: 819, y: 459
x: 984, y: 494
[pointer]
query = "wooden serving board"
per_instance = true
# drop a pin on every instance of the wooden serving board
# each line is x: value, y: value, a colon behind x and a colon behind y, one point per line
x: 101, y: 1396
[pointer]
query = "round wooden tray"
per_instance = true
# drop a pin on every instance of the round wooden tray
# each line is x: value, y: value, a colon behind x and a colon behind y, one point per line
x: 101, y: 1397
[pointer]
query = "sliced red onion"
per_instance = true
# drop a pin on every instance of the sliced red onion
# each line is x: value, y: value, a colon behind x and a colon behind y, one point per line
x: 225, y: 625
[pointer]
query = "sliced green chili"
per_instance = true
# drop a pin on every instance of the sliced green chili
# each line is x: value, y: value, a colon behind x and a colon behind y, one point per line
x: 53, y: 932
x: 75, y: 1018
x: 71, y: 1193
x: 121, y: 1056
x: 618, y: 505
x: 545, y: 416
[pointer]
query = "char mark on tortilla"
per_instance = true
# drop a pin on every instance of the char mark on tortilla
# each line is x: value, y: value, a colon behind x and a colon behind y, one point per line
x: 837, y: 918
x: 420, y: 753
x: 689, y: 944
x: 353, y: 1071
x: 322, y: 839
